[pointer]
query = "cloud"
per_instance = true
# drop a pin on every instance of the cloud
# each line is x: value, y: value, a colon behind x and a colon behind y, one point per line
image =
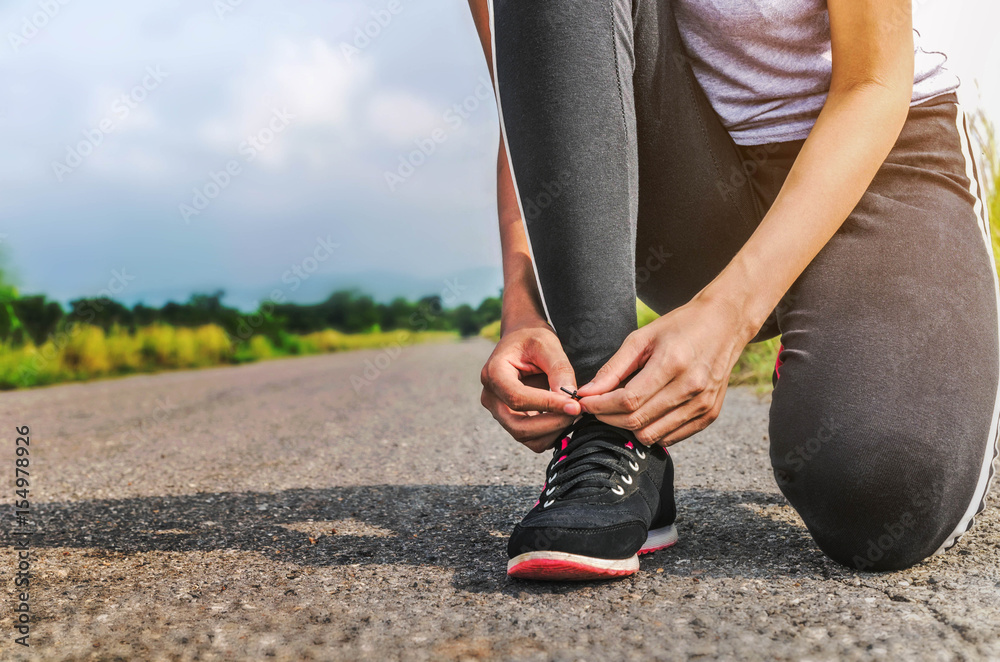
x: 399, y: 118
x: 308, y: 79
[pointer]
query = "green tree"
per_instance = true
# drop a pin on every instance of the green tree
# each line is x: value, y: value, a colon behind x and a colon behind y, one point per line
x: 100, y: 311
x: 464, y: 319
x: 10, y: 324
x: 396, y: 315
x: 488, y: 311
x: 39, y: 316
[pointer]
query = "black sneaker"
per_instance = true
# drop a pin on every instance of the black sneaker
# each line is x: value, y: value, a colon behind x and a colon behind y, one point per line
x: 606, y: 499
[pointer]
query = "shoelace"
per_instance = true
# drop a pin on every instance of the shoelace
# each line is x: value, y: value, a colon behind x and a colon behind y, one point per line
x: 587, y: 461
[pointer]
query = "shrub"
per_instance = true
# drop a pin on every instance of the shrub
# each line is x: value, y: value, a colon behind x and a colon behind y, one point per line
x: 185, y: 353
x: 213, y: 343
x: 260, y: 348
x: 124, y: 350
x: 491, y: 331
x: 157, y: 343
x: 86, y: 351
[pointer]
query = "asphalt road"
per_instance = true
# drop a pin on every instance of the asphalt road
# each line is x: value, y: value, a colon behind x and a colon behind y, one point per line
x: 270, y: 511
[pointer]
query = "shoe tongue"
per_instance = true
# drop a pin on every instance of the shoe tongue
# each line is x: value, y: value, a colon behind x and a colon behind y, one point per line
x: 590, y: 482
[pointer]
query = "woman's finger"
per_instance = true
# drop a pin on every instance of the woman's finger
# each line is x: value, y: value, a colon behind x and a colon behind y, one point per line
x: 551, y: 359
x: 694, y: 416
x: 661, y: 404
x: 630, y: 357
x: 656, y: 429
x: 689, y: 429
x: 639, y: 390
x: 662, y: 385
x: 524, y: 427
x: 543, y: 443
x: 538, y: 435
x: 504, y: 381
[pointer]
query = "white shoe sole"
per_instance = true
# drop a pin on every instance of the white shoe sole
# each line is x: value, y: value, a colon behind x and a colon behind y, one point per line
x: 566, y: 566
x: 659, y: 539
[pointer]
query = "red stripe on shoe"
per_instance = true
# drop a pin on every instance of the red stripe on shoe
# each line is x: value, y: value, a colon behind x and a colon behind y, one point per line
x: 564, y: 570
x: 656, y: 549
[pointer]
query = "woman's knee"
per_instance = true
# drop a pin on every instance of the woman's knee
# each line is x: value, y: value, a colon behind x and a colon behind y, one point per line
x: 870, y: 498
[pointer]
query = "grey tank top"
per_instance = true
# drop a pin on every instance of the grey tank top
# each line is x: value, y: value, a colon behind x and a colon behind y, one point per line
x: 765, y: 64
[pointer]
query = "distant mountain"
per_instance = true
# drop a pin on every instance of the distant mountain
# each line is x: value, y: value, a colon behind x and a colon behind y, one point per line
x: 469, y: 286
x: 466, y: 286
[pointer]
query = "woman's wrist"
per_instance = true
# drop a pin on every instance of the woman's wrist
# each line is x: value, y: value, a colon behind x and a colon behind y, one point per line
x: 522, y: 316
x: 745, y: 299
x: 522, y: 307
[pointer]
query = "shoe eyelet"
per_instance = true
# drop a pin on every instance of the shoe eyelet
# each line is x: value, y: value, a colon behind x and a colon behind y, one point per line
x: 642, y: 456
x: 548, y: 503
x: 618, y: 489
x: 627, y: 479
x: 633, y: 466
x: 549, y: 491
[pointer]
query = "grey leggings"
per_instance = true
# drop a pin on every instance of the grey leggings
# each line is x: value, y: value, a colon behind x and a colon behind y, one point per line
x: 884, y: 419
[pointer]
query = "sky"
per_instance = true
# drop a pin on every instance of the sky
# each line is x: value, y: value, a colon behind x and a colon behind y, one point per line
x: 166, y: 147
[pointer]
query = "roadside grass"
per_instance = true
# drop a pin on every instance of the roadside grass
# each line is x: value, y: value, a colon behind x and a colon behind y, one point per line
x: 86, y: 352
x: 753, y: 368
x: 988, y: 138
x: 756, y: 365
x: 491, y: 331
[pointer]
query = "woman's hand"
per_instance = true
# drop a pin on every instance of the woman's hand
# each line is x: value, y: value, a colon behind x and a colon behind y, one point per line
x: 521, y: 385
x: 685, y: 357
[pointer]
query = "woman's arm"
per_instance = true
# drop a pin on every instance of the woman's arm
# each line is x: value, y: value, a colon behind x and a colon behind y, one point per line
x: 528, y: 357
x: 687, y: 355
x: 521, y: 303
x: 868, y: 102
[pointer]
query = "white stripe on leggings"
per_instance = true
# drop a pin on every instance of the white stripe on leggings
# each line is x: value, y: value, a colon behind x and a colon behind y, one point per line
x: 987, y: 472
x: 510, y: 163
